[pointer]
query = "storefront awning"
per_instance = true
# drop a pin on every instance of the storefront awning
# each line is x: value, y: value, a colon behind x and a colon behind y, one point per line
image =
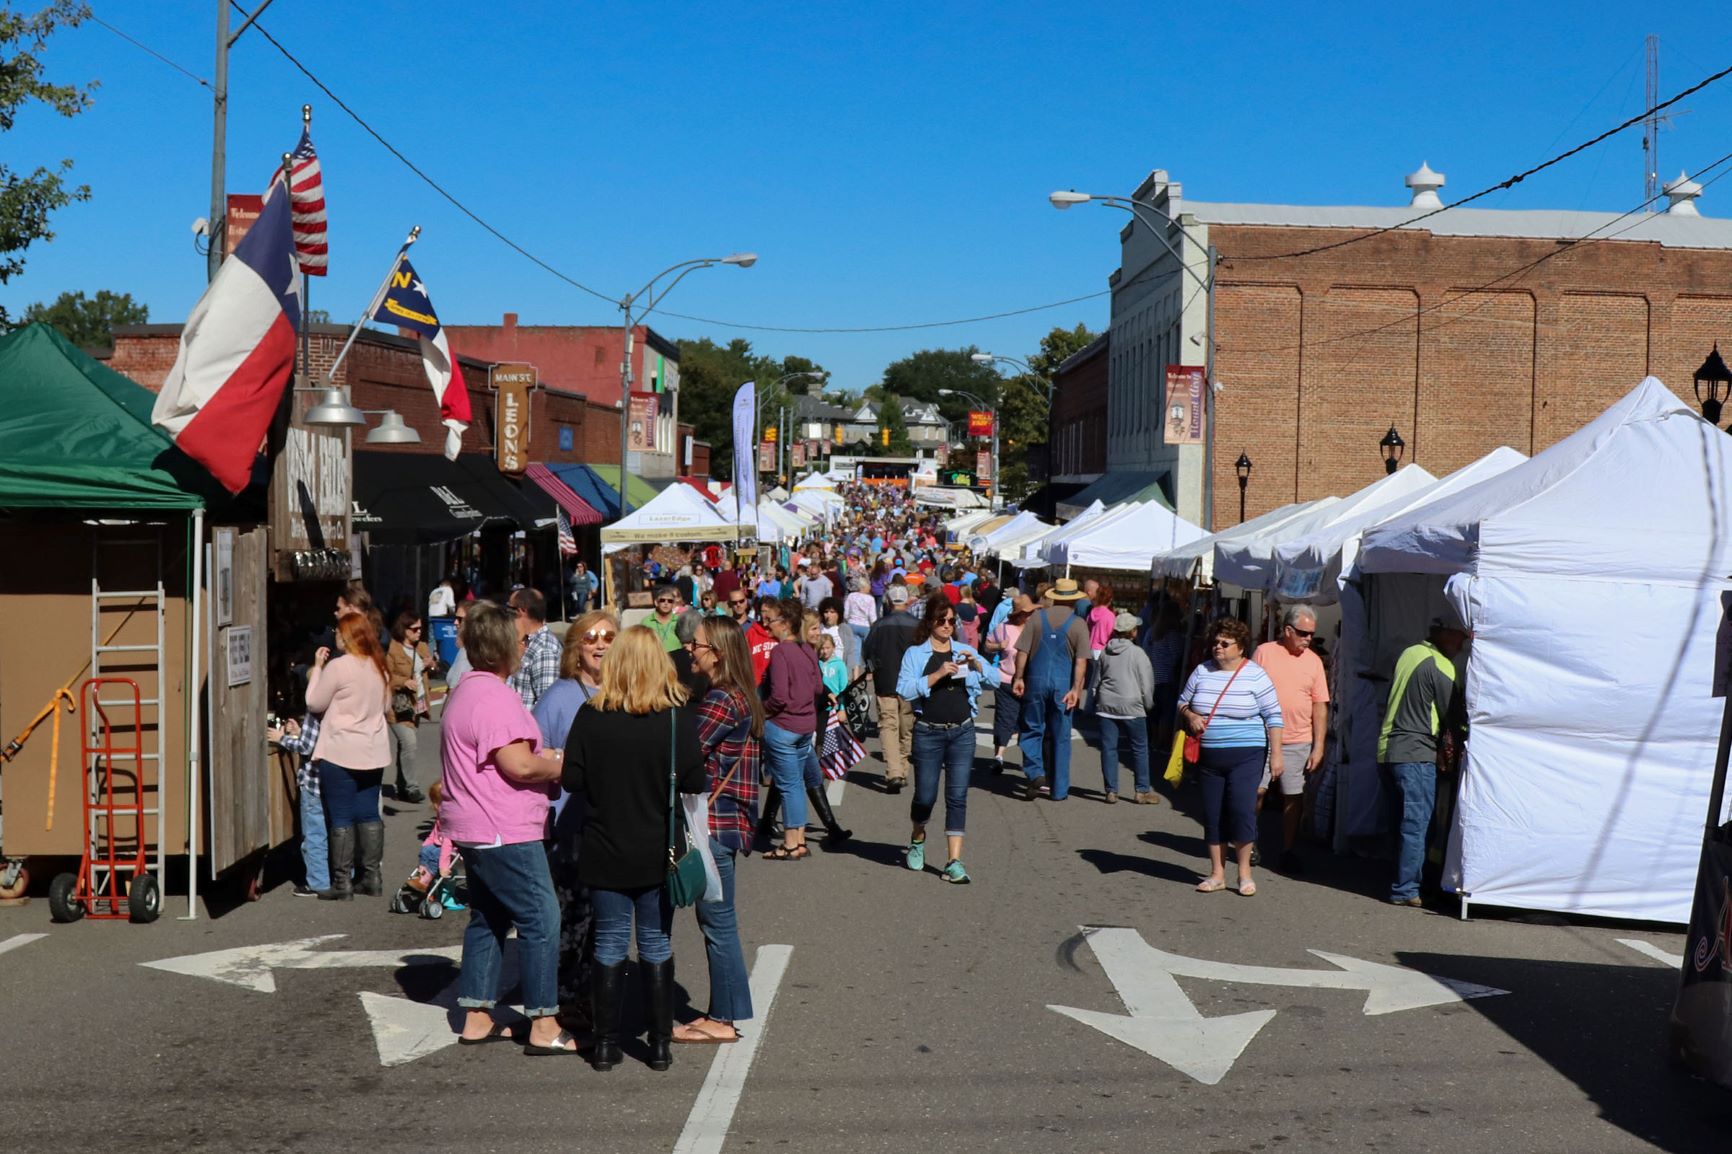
x: 580, y: 511
x: 421, y: 498
x: 1114, y: 489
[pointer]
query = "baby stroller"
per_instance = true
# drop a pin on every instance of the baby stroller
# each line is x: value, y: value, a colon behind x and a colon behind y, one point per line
x: 428, y: 894
x: 856, y: 700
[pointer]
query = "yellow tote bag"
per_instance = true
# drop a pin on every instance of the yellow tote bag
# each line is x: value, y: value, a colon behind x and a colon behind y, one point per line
x: 1176, y: 761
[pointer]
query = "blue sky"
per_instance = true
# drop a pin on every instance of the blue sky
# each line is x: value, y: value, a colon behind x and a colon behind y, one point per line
x: 889, y: 163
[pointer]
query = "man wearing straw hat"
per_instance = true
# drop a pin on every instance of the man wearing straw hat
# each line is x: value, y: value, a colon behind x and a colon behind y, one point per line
x: 1052, y: 661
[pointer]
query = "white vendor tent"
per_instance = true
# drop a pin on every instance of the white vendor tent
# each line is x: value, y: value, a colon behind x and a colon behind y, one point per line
x: 1592, y: 577
x: 815, y: 481
x: 1127, y: 542
x: 676, y: 515
x: 1195, y: 560
x: 823, y: 504
x: 1249, y: 561
x: 1033, y: 550
x: 957, y: 528
x: 1012, y: 533
x: 949, y: 498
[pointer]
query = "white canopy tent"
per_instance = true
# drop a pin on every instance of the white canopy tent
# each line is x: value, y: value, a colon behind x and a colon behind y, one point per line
x: 957, y: 528
x: 677, y: 514
x: 1124, y: 541
x: 1195, y: 560
x: 948, y: 498
x: 1592, y: 577
x: 772, y: 525
x: 1008, y: 537
x: 1321, y: 569
x: 1032, y: 551
x: 1249, y: 561
x: 815, y: 481
x: 822, y: 504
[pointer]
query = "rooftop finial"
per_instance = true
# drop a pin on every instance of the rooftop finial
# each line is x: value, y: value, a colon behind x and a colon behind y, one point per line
x: 1425, y: 184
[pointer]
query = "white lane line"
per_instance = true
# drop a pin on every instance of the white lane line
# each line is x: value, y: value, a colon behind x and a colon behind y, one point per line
x: 713, y: 1112
x: 14, y: 942
x: 1650, y: 950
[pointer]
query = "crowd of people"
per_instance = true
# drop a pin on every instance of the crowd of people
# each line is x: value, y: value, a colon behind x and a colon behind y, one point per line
x: 574, y: 769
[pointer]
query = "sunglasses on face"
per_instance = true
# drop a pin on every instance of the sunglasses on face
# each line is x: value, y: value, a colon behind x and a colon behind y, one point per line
x: 1303, y: 632
x: 664, y: 600
x: 595, y: 635
x: 1223, y: 643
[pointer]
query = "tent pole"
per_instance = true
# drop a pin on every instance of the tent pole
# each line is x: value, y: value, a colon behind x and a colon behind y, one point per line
x: 195, y: 720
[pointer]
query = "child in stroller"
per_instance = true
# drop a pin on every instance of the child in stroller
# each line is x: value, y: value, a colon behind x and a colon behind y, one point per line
x: 432, y: 888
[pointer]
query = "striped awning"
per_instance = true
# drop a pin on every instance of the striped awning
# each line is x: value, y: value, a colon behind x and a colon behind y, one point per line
x: 580, y: 511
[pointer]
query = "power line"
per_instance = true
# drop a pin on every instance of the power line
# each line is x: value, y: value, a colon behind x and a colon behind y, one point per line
x: 892, y: 328
x: 430, y: 182
x: 187, y: 72
x: 1508, y: 182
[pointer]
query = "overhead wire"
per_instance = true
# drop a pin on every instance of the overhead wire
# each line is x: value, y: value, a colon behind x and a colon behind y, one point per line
x: 141, y: 45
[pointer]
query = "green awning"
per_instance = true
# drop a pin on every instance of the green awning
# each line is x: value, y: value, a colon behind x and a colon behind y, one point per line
x: 75, y: 434
x: 1115, y: 489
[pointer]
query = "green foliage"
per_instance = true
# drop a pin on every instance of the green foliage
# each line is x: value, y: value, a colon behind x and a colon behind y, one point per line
x: 709, y: 376
x: 27, y: 200
x: 919, y: 377
x: 88, y: 322
x: 1023, y: 411
x: 890, y: 419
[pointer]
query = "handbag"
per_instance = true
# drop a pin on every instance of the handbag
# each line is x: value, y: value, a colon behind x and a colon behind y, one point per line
x: 1176, y: 763
x: 402, y: 704
x: 686, y: 880
x: 1194, y: 743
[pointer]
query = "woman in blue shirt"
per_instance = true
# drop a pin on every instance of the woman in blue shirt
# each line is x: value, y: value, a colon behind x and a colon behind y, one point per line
x: 942, y: 677
x: 1231, y: 704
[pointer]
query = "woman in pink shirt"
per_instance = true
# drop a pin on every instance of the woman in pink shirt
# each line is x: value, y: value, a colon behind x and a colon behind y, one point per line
x: 351, y: 753
x: 499, y: 785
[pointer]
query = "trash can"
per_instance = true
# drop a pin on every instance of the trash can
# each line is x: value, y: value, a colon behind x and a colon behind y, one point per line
x: 444, y: 639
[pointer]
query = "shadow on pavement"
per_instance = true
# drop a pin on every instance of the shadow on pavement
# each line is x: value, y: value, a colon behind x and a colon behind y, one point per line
x: 877, y: 852
x: 1581, y: 1020
x: 1110, y: 862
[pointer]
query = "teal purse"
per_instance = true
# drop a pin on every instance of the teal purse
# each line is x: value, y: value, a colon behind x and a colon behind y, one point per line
x: 686, y: 879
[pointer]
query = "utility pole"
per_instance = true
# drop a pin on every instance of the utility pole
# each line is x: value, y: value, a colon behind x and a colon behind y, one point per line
x: 219, y: 210
x: 1651, y: 127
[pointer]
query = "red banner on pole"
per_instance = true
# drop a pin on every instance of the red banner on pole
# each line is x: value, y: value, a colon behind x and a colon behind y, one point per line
x: 1186, y: 409
x: 766, y: 457
x: 983, y: 465
x: 643, y: 421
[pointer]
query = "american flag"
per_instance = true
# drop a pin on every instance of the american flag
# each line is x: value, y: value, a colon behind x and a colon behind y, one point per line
x: 567, y: 543
x: 307, y: 196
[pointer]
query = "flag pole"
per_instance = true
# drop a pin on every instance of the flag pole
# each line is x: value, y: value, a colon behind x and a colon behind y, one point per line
x: 306, y: 281
x: 384, y: 286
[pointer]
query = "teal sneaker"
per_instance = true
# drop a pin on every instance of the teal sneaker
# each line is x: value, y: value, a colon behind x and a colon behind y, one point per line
x: 917, y: 855
x: 955, y: 874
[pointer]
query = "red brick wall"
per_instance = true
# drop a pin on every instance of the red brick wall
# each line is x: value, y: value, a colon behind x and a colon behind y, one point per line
x: 576, y: 358
x: 1319, y: 355
x: 1079, y: 415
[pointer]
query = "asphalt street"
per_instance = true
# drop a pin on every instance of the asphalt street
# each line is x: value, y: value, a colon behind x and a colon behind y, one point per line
x: 911, y: 1014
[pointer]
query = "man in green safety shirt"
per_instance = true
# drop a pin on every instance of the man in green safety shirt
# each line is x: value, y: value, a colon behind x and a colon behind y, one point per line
x: 1421, y: 731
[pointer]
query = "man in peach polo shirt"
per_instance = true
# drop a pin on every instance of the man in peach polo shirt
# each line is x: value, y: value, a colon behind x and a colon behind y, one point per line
x: 1302, y: 686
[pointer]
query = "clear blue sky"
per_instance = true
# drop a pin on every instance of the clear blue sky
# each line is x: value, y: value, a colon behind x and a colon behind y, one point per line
x: 889, y: 163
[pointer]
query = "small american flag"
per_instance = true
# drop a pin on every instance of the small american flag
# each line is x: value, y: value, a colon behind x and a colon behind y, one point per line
x: 307, y: 198
x: 567, y: 542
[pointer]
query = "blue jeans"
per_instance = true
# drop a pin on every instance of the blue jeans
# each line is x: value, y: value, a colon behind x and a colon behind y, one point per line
x: 1410, y: 790
x: 509, y: 886
x: 861, y: 631
x: 1135, y: 731
x: 785, y: 755
x: 614, y: 912
x: 1043, y: 713
x: 351, y: 796
x: 1006, y: 715
x: 315, y: 844
x: 947, y: 751
x: 730, y: 983
x: 1229, y: 776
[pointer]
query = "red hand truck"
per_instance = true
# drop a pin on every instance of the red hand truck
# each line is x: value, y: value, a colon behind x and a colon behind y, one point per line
x: 114, y: 878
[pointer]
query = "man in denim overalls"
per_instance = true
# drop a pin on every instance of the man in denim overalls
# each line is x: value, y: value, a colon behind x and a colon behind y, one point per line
x: 1053, y: 655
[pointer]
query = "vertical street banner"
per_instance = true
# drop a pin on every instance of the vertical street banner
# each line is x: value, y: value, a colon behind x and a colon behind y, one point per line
x: 767, y: 457
x: 797, y: 454
x: 983, y: 465
x: 745, y: 436
x: 512, y: 387
x: 642, y: 438
x: 243, y: 210
x: 1186, y: 406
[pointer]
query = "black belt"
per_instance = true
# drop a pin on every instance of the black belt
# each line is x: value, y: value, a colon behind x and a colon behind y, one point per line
x: 943, y: 724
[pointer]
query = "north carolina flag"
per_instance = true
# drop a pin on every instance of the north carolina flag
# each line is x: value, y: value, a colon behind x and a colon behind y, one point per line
x: 237, y: 353
x: 404, y: 303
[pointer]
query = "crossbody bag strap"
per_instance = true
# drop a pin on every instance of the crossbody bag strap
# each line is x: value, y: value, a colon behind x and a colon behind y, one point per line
x: 673, y: 772
x: 1223, y: 694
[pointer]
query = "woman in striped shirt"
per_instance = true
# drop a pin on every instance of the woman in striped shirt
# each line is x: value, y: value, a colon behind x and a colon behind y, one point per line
x: 1230, y: 703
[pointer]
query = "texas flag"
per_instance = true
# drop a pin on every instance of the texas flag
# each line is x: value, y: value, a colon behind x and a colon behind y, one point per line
x: 404, y: 303
x: 237, y: 352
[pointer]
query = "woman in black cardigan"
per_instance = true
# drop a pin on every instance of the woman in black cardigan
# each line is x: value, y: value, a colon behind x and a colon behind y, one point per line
x: 623, y: 745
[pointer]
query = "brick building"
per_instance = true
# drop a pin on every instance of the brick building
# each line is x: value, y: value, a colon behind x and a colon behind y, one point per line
x: 1476, y: 328
x: 1078, y: 446
x: 585, y: 359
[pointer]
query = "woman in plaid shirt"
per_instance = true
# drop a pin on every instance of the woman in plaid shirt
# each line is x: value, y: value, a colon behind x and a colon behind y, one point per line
x: 730, y: 724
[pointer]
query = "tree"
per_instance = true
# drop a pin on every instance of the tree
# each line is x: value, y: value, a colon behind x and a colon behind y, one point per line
x: 88, y: 322
x: 1023, y: 411
x: 919, y: 377
x: 27, y: 201
x: 891, y: 421
x: 709, y: 376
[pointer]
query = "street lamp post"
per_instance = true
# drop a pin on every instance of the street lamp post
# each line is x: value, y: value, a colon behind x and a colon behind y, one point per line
x: 758, y: 395
x: 1243, y: 468
x: 1064, y: 199
x: 1717, y: 379
x: 1393, y: 446
x: 1028, y: 370
x: 650, y: 296
x: 993, y: 409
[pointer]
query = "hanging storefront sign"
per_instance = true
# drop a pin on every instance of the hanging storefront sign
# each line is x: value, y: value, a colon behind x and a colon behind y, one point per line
x: 512, y: 386
x: 979, y: 423
x: 983, y: 465
x: 1186, y: 410
x: 643, y: 421
x: 766, y: 457
x: 243, y: 209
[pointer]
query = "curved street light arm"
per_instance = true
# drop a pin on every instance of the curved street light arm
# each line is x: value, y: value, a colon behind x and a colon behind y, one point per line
x: 1160, y: 233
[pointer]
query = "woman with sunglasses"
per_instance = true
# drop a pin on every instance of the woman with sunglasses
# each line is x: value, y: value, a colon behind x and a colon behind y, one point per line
x: 942, y: 678
x: 586, y: 643
x: 1231, y: 705
x: 407, y: 662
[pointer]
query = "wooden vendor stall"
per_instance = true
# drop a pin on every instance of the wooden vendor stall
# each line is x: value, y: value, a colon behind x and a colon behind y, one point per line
x: 104, y: 526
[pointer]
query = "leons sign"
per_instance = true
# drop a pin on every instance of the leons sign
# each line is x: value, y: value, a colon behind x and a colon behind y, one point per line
x: 512, y: 386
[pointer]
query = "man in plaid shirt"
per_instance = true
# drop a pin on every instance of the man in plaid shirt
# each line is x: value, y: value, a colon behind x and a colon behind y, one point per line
x: 315, y: 849
x: 539, y: 668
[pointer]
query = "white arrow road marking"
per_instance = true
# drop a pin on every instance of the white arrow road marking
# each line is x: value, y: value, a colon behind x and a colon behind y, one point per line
x: 251, y: 966
x: 1163, y: 1023
x: 707, y: 1125
x: 1650, y: 950
x: 405, y: 1030
x: 17, y: 940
